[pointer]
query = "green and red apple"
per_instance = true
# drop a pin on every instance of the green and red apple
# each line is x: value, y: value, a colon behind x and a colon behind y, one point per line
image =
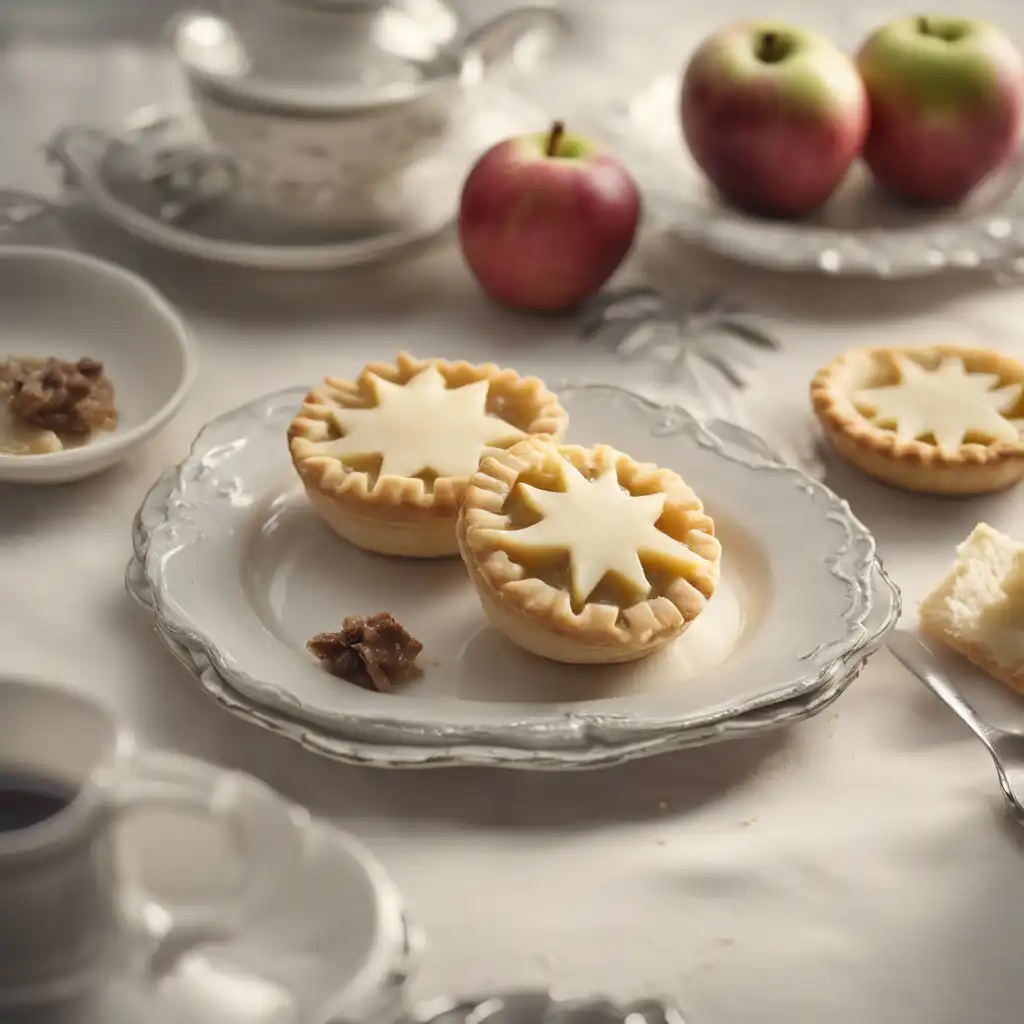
x: 546, y: 219
x: 946, y: 101
x: 773, y: 115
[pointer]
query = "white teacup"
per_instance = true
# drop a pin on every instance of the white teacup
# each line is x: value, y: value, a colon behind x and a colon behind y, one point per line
x: 332, y: 170
x: 68, y: 775
x: 316, y: 40
x: 314, y: 143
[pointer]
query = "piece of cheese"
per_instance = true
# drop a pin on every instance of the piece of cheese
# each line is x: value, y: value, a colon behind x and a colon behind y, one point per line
x: 978, y: 608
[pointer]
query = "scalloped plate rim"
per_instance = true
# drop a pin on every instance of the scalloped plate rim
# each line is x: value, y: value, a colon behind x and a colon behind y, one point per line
x: 584, y: 726
x: 407, y: 756
x: 571, y: 728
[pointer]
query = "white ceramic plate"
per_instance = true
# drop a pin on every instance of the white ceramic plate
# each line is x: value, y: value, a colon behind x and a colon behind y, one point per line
x: 70, y: 305
x: 113, y: 172
x: 330, y: 942
x: 242, y: 573
x: 858, y: 232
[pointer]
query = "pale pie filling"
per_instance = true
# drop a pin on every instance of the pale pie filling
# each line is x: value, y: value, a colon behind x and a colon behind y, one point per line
x: 948, y: 405
x: 18, y: 438
x: 421, y: 429
x: 593, y: 538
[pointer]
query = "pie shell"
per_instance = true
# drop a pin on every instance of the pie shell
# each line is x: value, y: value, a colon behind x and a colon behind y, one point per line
x: 396, y: 515
x: 914, y: 465
x: 538, y: 616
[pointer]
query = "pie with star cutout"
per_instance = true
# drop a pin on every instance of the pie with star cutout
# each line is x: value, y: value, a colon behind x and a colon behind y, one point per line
x: 385, y: 458
x: 940, y: 420
x: 584, y: 555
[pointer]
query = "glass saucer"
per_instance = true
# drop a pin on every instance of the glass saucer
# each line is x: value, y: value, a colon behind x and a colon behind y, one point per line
x: 156, y: 177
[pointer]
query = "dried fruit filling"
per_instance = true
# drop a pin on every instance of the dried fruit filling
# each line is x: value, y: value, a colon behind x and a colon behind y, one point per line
x: 52, y: 404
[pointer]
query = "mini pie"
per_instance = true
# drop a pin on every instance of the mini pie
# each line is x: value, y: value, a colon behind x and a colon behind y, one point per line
x: 385, y: 458
x: 940, y: 420
x: 583, y: 555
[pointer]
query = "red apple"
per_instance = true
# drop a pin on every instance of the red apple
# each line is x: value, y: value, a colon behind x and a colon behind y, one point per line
x: 774, y: 116
x: 546, y: 219
x: 946, y: 97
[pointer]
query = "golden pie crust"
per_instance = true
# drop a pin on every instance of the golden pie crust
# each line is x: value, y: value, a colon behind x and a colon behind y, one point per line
x: 398, y: 515
x: 918, y: 465
x: 529, y: 604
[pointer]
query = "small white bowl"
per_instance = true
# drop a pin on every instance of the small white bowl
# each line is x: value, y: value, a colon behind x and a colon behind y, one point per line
x: 69, y: 305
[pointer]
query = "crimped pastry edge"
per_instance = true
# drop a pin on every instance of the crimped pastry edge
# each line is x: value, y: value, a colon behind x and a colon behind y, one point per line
x: 404, y: 498
x: 595, y: 633
x: 970, y: 469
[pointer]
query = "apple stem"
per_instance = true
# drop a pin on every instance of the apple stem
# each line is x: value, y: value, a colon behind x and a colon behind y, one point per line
x: 557, y: 131
x: 769, y: 51
x: 923, y: 25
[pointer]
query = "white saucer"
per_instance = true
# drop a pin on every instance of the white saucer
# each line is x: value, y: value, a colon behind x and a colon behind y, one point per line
x: 157, y: 177
x: 332, y: 942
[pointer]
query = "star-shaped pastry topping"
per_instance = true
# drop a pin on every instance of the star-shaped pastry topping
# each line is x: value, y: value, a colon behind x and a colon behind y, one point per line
x: 422, y: 426
x: 948, y: 402
x: 603, y: 529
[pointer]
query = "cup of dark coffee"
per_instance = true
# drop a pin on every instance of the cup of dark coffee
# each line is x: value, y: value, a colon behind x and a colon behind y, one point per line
x: 69, y: 774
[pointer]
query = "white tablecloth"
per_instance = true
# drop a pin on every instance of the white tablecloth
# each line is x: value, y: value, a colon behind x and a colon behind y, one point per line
x: 855, y: 868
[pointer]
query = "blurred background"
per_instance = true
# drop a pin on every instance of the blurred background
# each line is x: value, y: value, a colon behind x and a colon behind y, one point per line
x: 89, y: 60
